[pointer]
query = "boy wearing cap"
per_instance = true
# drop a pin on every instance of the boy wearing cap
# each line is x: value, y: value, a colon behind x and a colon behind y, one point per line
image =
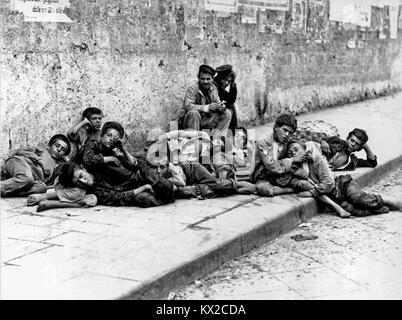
x: 31, y: 170
x: 225, y: 82
x: 111, y: 169
x: 117, y: 176
x: 202, y: 108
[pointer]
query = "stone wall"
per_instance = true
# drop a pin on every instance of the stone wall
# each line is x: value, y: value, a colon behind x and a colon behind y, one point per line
x: 135, y: 59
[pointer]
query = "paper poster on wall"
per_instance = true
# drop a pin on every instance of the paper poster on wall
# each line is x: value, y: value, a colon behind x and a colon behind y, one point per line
x: 400, y: 17
x: 299, y: 16
x: 221, y: 5
x: 42, y: 10
x: 249, y: 15
x: 282, y: 5
x: 362, y: 15
x: 351, y: 11
x: 337, y: 8
x: 393, y: 21
x: 317, y: 21
x: 272, y: 21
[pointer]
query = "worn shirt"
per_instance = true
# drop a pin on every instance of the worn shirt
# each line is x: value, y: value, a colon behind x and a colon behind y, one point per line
x: 337, y: 148
x: 108, y: 175
x: 78, y: 140
x: 43, y: 166
x: 320, y: 175
x: 227, y: 95
x: 197, y: 99
x: 270, y: 158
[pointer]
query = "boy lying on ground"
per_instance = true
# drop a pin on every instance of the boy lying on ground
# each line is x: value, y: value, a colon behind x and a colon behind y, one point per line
x: 339, y: 152
x: 32, y: 170
x: 341, y: 192
x: 69, y: 196
x: 190, y: 178
x: 76, y: 188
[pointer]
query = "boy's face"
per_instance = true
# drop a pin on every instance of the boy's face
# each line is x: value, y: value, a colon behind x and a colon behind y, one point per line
x: 95, y: 120
x: 353, y: 143
x: 225, y: 82
x: 58, y: 149
x: 283, y: 133
x: 83, y: 178
x: 240, y: 139
x: 295, y: 149
x: 110, y: 137
x: 205, y: 80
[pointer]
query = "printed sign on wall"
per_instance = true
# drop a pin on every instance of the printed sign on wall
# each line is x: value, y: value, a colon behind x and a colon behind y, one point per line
x: 221, y: 5
x: 282, y: 5
x: 249, y: 15
x: 400, y: 17
x: 272, y: 21
x: 42, y: 10
x: 393, y: 21
x: 351, y: 11
x: 299, y: 15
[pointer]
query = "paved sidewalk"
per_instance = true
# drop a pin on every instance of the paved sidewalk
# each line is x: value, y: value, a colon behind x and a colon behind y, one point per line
x: 324, y: 258
x: 127, y: 252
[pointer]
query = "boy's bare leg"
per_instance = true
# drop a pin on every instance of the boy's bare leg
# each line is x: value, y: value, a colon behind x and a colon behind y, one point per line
x: 338, y: 209
x: 392, y: 202
x: 55, y: 204
x: 266, y: 189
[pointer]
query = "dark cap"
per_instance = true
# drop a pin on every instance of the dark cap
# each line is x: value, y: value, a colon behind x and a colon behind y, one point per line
x: 113, y: 125
x: 224, y: 71
x: 206, y: 69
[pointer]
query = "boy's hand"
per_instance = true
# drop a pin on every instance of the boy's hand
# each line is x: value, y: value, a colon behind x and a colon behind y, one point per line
x: 112, y: 160
x: 221, y: 107
x: 304, y: 194
x: 214, y: 106
x: 233, y: 74
x: 324, y: 147
x: 148, y: 188
x: 118, y: 144
x: 162, y: 137
x: 87, y: 122
x: 134, y: 161
x: 302, y: 158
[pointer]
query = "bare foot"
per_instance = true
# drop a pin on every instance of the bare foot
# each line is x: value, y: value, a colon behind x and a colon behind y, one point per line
x: 42, y: 206
x: 34, y: 199
x: 343, y: 213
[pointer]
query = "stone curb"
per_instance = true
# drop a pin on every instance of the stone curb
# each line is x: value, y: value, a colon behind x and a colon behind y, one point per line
x: 206, y: 262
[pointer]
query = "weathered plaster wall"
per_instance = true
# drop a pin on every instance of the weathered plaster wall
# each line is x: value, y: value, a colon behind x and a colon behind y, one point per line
x: 135, y: 59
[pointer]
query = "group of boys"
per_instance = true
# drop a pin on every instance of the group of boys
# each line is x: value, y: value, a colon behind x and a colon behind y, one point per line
x: 102, y: 171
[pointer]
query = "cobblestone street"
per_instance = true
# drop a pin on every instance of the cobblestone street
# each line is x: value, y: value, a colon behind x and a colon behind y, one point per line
x: 324, y: 258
